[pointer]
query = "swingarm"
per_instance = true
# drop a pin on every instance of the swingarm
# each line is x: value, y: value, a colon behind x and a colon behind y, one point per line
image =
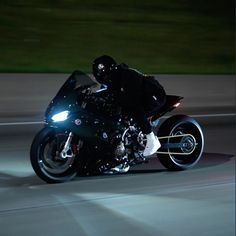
x: 182, y: 144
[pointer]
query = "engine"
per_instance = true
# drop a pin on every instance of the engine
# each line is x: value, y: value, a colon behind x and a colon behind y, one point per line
x: 131, y: 145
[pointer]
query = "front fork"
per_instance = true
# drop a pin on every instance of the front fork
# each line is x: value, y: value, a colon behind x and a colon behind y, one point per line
x: 64, y: 153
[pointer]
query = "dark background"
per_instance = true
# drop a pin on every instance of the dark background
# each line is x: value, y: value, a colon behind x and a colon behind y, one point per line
x: 164, y: 36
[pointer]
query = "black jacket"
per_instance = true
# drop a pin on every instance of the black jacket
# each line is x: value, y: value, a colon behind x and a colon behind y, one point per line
x: 134, y: 90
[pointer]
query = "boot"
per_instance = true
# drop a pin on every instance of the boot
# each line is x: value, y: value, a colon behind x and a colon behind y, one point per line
x: 152, y: 145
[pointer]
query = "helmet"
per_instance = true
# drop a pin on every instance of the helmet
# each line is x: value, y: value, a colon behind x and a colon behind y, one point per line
x: 102, y: 68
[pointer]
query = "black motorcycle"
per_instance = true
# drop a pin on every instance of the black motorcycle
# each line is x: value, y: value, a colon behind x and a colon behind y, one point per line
x: 85, y: 134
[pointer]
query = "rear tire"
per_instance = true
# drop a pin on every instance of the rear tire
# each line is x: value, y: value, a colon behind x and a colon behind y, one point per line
x: 45, y: 158
x: 177, y: 125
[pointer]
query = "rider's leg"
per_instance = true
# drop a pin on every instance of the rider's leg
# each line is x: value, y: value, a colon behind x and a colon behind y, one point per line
x: 153, y: 143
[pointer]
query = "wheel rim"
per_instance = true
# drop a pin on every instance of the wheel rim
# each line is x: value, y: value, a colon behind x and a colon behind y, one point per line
x: 51, y: 162
x: 188, y: 144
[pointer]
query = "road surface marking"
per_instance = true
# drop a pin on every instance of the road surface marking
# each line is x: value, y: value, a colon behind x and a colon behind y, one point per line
x: 164, y: 117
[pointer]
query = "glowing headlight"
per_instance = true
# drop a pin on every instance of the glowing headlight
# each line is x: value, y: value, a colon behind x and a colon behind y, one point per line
x: 60, y: 116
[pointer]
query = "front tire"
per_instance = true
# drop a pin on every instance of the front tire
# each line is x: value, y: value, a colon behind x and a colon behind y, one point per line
x: 45, y: 158
x: 192, y: 144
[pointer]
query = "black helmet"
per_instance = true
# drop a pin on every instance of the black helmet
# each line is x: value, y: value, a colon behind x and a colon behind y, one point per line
x: 102, y: 68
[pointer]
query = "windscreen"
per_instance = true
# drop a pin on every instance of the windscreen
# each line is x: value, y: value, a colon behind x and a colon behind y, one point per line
x: 77, y: 79
x: 69, y: 92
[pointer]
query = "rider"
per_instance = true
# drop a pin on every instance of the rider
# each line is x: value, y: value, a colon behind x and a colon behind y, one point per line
x: 138, y: 94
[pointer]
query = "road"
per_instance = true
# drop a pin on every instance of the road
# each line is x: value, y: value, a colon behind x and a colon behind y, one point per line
x: 149, y: 200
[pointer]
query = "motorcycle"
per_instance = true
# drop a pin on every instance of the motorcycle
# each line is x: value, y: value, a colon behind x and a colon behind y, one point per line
x: 85, y: 134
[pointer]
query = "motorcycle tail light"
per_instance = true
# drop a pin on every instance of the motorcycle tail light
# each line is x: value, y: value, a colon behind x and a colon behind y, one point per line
x: 177, y: 104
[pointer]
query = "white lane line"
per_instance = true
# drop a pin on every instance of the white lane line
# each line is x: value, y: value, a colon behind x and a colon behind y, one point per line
x: 209, y: 115
x: 22, y: 123
x: 42, y: 122
x: 214, y: 115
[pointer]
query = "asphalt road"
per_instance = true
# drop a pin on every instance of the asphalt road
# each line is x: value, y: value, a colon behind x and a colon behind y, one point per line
x: 148, y: 200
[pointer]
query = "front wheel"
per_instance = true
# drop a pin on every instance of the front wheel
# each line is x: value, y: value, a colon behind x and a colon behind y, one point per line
x: 182, y: 142
x: 49, y: 161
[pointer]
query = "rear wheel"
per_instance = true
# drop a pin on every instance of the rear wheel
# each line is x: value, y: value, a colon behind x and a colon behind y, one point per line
x: 183, y: 143
x: 47, y: 159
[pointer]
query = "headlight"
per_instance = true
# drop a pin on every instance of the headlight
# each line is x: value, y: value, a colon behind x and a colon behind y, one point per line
x: 60, y: 116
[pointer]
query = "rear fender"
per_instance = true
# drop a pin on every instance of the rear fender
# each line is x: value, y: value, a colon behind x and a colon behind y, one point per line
x: 172, y: 102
